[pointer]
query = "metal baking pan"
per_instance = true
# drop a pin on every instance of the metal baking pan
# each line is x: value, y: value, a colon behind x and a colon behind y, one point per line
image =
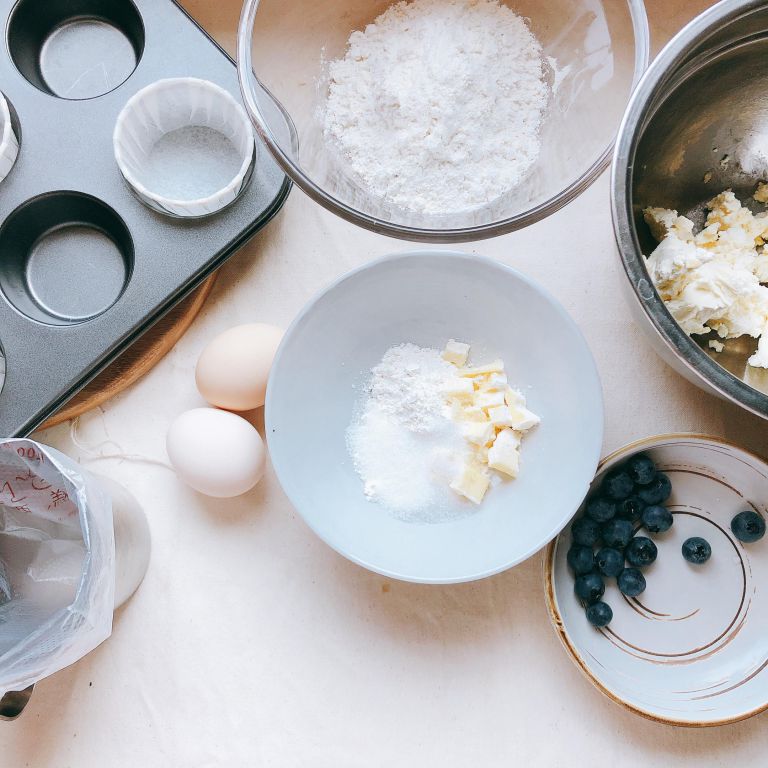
x: 85, y: 267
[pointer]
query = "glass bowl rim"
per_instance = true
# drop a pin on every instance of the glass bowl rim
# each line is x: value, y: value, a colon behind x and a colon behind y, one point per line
x: 248, y: 78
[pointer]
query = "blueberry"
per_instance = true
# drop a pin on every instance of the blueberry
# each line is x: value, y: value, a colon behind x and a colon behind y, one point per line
x: 657, y: 519
x: 599, y: 614
x: 640, y: 552
x: 581, y: 559
x: 585, y: 531
x: 630, y: 509
x: 631, y: 582
x: 748, y: 527
x: 696, y: 550
x: 600, y: 510
x: 589, y: 587
x: 609, y: 561
x: 617, y: 533
x: 657, y: 491
x: 618, y: 485
x: 641, y: 469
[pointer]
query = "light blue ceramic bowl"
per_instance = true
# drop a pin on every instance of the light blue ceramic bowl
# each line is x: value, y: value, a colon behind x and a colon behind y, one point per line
x: 427, y: 298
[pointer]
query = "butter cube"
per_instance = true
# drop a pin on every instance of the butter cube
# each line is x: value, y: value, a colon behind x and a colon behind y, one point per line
x: 461, y: 411
x: 513, y: 398
x: 458, y: 387
x: 504, y: 455
x: 473, y: 413
x: 508, y: 438
x: 456, y: 352
x: 497, y: 366
x: 523, y: 419
x: 472, y: 483
x: 489, y: 399
x: 495, y: 381
x: 478, y: 432
x: 501, y: 416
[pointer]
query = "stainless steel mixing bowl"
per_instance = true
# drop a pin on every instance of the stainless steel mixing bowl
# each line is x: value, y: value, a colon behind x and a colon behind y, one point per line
x: 696, y: 125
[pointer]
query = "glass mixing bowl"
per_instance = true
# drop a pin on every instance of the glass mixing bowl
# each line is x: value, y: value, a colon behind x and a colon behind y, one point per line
x: 594, y: 54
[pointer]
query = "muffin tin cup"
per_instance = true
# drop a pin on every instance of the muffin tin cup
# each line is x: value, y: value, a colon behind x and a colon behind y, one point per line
x: 9, y: 141
x: 173, y: 105
x: 55, y: 244
x: 76, y: 49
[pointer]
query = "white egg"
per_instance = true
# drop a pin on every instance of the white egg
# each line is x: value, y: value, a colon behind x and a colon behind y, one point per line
x: 233, y: 369
x: 215, y: 452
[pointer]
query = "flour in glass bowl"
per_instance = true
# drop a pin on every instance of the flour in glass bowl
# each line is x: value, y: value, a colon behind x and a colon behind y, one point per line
x: 437, y: 105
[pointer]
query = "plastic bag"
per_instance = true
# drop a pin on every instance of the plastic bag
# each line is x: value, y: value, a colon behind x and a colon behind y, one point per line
x: 57, y: 563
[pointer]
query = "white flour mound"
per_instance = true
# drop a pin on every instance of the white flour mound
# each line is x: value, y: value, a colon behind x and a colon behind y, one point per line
x: 403, y: 442
x: 437, y: 105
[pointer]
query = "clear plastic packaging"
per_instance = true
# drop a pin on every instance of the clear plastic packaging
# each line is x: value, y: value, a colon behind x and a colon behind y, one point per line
x: 57, y: 549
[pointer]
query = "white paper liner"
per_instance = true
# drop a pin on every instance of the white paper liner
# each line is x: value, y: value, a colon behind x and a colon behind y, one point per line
x: 9, y: 142
x: 166, y: 106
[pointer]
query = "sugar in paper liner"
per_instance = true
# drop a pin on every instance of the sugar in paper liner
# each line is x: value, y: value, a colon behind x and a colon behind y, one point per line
x: 9, y: 141
x: 168, y: 105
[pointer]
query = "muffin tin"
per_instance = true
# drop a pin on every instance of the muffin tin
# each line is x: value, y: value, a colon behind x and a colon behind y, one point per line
x: 85, y: 267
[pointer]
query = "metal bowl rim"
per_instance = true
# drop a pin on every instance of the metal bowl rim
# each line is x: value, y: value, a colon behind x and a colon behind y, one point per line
x: 642, y: 105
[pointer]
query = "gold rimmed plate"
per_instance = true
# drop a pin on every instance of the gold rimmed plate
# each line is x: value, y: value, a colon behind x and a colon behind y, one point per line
x: 693, y: 648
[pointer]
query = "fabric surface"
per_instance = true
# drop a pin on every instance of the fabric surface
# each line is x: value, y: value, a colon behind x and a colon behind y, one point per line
x: 251, y: 643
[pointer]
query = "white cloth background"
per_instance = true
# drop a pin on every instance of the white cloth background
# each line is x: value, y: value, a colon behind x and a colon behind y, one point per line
x: 253, y: 644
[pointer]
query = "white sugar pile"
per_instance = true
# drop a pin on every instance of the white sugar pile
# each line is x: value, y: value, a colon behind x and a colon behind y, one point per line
x: 437, y: 105
x: 403, y: 443
x: 191, y: 163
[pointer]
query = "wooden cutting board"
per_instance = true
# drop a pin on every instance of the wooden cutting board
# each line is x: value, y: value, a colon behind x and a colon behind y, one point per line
x: 138, y: 359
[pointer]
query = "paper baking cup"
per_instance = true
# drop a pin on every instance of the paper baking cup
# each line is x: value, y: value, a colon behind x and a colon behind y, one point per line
x: 170, y: 105
x: 9, y: 141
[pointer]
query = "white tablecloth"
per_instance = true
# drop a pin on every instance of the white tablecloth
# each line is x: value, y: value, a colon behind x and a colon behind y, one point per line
x: 251, y: 643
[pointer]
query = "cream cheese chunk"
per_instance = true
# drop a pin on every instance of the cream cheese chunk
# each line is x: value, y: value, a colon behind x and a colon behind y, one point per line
x: 663, y: 221
x: 712, y: 280
x: 760, y: 358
